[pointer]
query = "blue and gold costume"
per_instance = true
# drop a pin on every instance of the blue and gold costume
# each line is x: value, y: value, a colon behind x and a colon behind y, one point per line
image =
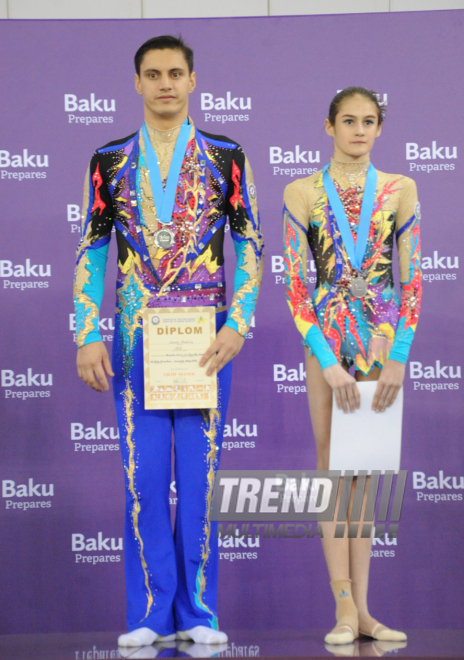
x: 171, y: 580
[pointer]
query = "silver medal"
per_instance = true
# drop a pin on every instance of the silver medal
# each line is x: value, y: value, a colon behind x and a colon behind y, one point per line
x: 164, y: 238
x: 358, y: 287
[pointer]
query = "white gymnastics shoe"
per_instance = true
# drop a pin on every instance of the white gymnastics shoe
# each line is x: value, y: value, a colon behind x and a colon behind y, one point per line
x: 143, y: 637
x: 203, y: 635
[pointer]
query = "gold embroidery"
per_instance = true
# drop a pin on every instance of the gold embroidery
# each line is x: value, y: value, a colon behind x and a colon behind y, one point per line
x: 211, y: 434
x: 206, y: 259
x: 130, y: 470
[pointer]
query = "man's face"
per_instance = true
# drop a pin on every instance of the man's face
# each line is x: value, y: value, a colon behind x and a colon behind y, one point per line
x: 164, y: 83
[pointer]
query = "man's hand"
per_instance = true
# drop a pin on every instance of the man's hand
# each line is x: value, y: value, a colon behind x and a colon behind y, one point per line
x: 92, y: 362
x: 344, y: 387
x: 226, y: 346
x: 388, y: 385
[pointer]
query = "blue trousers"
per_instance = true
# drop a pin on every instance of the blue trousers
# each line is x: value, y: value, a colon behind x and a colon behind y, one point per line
x: 171, y: 578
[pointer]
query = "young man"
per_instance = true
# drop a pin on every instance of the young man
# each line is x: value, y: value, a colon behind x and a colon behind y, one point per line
x: 170, y: 253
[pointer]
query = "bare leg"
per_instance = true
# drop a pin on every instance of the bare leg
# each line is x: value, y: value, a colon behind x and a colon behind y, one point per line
x: 360, y: 549
x: 336, y: 551
x: 360, y: 557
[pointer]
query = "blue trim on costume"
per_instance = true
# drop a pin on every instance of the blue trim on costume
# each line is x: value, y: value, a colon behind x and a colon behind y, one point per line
x: 206, y: 238
x: 202, y: 167
x: 165, y: 197
x: 104, y: 240
x: 338, y: 262
x: 405, y: 226
x: 319, y: 345
x: 355, y: 251
x: 401, y: 343
x: 128, y: 236
x: 119, y: 175
x: 81, y: 315
x: 141, y: 248
x: 114, y: 147
x: 93, y: 289
x: 200, y: 286
x: 218, y: 143
x: 246, y: 200
x: 230, y: 323
x: 314, y: 338
x: 217, y: 175
x: 293, y: 219
x: 241, y: 277
x: 237, y: 238
x: 95, y: 246
x: 89, y: 207
x: 250, y: 212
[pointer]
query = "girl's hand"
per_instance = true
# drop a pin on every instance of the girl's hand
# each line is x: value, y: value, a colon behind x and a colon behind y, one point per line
x: 390, y: 381
x: 344, y: 387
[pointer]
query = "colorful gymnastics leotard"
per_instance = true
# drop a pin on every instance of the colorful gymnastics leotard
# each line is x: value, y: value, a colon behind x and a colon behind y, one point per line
x: 336, y: 326
x: 215, y: 182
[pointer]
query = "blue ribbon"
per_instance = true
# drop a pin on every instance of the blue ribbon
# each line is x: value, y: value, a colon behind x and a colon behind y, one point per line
x: 164, y: 198
x: 355, y: 252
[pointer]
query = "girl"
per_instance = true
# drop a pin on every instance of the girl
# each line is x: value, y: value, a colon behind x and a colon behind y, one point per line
x: 348, y: 213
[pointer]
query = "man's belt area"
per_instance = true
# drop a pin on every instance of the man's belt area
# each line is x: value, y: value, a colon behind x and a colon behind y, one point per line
x: 193, y: 286
x: 191, y: 294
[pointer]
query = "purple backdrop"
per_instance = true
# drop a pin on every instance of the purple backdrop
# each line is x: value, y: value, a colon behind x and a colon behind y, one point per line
x: 67, y: 88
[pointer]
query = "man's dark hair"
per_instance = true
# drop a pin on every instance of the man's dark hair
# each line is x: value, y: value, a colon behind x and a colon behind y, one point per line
x: 161, y: 43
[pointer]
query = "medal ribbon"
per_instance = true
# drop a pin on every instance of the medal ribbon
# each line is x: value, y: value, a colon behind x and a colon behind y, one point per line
x: 164, y: 199
x: 355, y: 252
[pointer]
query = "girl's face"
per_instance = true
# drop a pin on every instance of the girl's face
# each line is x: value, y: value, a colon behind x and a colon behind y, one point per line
x: 355, y: 129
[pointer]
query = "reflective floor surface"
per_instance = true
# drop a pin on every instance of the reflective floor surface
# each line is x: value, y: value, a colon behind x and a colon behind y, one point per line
x: 242, y: 644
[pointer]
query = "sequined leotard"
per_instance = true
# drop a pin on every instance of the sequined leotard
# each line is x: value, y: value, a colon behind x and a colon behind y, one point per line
x: 335, y: 325
x: 215, y: 182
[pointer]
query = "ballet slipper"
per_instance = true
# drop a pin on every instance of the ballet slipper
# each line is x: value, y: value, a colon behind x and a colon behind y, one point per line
x: 341, y: 634
x: 384, y: 634
x: 388, y: 647
x: 346, y: 613
x: 341, y: 651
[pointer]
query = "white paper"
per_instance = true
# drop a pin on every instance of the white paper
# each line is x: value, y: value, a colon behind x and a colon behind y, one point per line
x: 366, y: 440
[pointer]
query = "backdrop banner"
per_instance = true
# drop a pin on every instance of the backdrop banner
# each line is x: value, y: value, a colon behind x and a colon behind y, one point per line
x: 67, y: 89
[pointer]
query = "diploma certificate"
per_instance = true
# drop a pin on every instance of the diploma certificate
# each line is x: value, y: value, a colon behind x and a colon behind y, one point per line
x: 174, y: 340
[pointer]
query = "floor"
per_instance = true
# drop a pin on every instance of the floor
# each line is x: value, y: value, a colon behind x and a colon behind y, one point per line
x: 242, y: 643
